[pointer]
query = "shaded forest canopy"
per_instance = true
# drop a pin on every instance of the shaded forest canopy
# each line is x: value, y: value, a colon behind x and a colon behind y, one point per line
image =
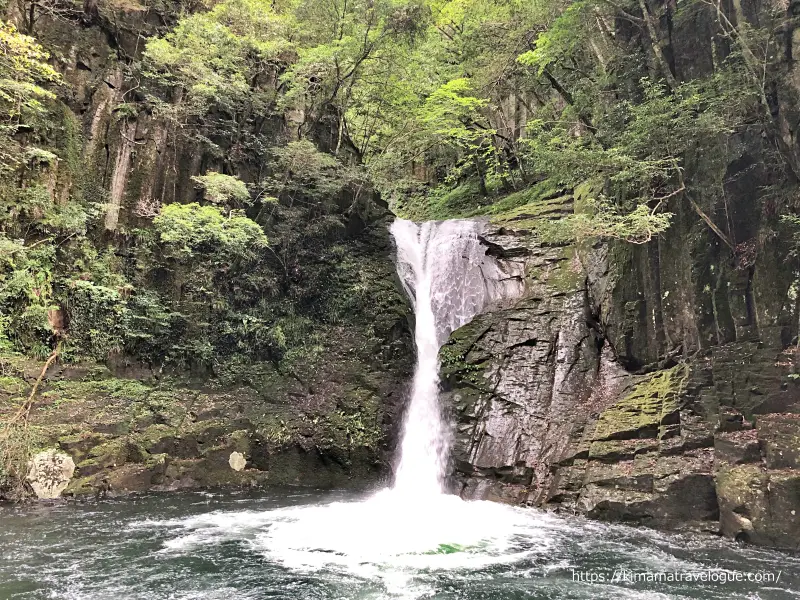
x: 293, y: 115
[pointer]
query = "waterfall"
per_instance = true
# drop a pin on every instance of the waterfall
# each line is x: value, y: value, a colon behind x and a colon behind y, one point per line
x: 449, y: 279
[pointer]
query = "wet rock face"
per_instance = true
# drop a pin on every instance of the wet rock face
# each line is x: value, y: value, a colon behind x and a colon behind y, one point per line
x: 555, y: 406
x: 514, y: 375
x: 50, y: 473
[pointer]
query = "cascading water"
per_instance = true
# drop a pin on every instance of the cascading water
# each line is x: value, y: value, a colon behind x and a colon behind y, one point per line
x: 397, y: 536
x: 411, y: 541
x: 450, y: 279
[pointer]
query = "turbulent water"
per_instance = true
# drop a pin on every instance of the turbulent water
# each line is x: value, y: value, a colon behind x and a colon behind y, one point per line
x: 302, y: 545
x: 449, y: 279
x: 407, y: 541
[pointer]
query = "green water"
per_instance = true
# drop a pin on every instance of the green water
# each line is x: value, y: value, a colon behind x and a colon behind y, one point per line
x: 300, y: 544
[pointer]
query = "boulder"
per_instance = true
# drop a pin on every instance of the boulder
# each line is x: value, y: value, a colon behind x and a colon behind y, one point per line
x: 759, y: 505
x: 49, y: 473
x: 237, y: 461
x: 780, y: 436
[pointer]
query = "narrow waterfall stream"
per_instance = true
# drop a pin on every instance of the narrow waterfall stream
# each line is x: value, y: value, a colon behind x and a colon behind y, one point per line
x: 449, y: 279
x: 411, y: 540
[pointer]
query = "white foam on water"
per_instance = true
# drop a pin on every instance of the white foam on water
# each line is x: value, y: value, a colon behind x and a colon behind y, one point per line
x: 385, y: 538
x: 414, y: 526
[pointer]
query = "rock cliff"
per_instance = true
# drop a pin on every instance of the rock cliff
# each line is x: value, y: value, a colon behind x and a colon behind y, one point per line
x: 653, y: 384
x: 321, y: 410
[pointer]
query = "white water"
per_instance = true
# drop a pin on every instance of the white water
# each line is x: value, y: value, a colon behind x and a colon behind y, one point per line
x: 303, y: 545
x: 411, y: 541
x: 413, y: 527
x: 388, y: 539
x: 449, y: 279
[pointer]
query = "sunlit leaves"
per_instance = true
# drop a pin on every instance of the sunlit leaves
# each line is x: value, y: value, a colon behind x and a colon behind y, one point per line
x: 190, y: 230
x: 218, y: 57
x: 559, y: 40
x: 23, y: 72
x: 223, y: 189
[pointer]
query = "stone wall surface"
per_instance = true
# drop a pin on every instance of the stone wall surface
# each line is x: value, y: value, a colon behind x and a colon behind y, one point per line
x: 652, y: 384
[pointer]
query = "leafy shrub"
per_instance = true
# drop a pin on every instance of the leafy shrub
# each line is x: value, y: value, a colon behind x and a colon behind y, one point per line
x: 97, y: 318
x: 223, y: 189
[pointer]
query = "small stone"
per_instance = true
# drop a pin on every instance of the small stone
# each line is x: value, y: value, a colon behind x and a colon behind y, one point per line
x: 237, y: 461
x: 49, y: 473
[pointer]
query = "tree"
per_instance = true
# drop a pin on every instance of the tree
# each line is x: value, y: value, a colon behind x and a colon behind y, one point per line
x: 223, y: 189
x: 24, y: 77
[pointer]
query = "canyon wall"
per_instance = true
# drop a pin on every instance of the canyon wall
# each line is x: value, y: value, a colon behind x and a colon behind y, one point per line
x: 652, y: 384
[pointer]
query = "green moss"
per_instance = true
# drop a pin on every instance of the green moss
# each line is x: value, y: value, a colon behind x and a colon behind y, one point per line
x: 240, y: 441
x: 114, y: 451
x: 653, y: 402
x: 738, y: 484
x: 14, y: 364
x: 153, y: 434
x: 12, y: 385
x: 153, y: 461
x: 528, y: 215
x: 442, y: 203
x: 128, y: 389
x: 73, y: 438
x: 356, y: 422
x: 614, y: 450
x: 80, y: 446
x: 455, y: 356
x: 568, y: 275
x: 82, y: 486
x: 276, y: 429
x: 465, y: 201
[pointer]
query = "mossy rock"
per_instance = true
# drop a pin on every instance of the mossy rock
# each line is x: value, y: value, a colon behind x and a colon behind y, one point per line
x: 739, y: 484
x: 653, y: 402
x: 615, y: 450
x: 79, y: 445
x: 148, y: 438
x: 108, y: 455
x: 760, y: 506
x: 123, y: 389
x: 83, y: 486
x: 459, y: 356
x: 534, y: 214
x: 568, y: 275
x: 13, y: 386
x: 780, y: 437
x: 240, y: 441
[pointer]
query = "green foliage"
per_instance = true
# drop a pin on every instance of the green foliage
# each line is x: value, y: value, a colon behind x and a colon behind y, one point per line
x: 223, y: 189
x: 23, y: 71
x: 302, y: 171
x: 198, y: 285
x: 792, y: 224
x: 450, y: 108
x: 442, y: 202
x: 605, y: 220
x: 637, y: 157
x: 26, y: 294
x: 152, y: 328
x: 563, y: 38
x: 189, y: 231
x: 214, y: 56
x: 97, y: 316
